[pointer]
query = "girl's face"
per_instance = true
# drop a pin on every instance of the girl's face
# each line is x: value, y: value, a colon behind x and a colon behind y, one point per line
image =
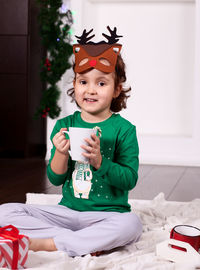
x: 94, y: 91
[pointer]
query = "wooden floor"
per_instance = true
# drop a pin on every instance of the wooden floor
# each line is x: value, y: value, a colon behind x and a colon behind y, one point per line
x: 177, y: 183
x: 18, y: 177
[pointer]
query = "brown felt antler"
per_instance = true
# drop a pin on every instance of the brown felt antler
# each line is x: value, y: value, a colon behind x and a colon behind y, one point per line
x: 83, y: 39
x: 114, y: 37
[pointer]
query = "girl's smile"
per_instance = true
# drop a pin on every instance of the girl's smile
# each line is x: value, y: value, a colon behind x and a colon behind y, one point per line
x: 90, y: 100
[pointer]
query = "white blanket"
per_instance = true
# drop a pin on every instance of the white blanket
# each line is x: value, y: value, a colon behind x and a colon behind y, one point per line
x: 158, y: 217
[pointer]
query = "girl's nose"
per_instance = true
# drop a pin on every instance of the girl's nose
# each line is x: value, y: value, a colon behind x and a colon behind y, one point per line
x: 91, y: 90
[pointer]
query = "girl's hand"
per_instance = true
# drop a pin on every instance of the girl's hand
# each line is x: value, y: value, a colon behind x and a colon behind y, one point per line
x: 60, y: 142
x: 93, y: 151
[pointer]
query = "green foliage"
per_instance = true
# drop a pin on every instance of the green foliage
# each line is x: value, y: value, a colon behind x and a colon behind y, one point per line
x: 55, y: 32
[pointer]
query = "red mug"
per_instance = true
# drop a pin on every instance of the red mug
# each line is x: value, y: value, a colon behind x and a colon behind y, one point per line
x: 186, y: 233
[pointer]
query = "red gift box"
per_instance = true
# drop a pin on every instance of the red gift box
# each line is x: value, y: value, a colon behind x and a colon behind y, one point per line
x: 13, y: 248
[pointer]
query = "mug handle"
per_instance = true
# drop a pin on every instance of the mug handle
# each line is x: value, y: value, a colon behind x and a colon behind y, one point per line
x: 67, y: 132
x: 172, y: 233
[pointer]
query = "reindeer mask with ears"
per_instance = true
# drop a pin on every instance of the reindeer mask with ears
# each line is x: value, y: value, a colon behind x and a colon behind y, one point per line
x: 101, y: 55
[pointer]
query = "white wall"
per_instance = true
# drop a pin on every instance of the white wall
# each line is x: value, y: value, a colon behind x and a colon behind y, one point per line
x: 159, y: 47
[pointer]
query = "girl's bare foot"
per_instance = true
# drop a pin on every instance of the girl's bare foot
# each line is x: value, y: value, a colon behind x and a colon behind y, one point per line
x: 36, y: 244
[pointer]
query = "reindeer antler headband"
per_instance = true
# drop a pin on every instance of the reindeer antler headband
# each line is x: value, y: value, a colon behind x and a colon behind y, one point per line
x: 101, y: 55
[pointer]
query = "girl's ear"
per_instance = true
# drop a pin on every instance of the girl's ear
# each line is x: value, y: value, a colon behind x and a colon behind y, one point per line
x: 117, y: 91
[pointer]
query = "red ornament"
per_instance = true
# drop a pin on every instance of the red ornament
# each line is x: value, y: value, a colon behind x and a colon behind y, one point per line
x: 47, y: 64
x: 45, y: 112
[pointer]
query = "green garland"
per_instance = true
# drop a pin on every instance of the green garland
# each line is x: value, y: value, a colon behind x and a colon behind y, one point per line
x: 56, y: 37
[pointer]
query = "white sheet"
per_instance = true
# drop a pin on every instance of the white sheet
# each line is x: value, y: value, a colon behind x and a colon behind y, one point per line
x: 158, y: 217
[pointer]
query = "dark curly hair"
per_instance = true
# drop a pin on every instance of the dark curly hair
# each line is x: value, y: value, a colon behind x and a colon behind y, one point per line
x: 119, y: 102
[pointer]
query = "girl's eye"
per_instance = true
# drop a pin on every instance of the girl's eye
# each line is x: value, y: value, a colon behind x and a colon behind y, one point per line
x: 101, y: 83
x: 83, y: 82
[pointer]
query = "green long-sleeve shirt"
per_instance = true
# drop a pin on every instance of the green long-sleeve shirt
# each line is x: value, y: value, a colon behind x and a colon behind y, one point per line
x: 117, y: 174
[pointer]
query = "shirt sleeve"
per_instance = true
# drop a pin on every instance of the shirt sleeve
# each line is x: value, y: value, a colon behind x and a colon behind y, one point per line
x: 55, y: 179
x: 122, y: 172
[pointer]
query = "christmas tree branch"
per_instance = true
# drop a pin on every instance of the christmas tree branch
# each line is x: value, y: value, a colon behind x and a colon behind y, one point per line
x: 56, y: 37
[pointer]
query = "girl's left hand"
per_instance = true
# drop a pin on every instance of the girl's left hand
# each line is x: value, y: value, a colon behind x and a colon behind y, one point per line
x: 93, y: 151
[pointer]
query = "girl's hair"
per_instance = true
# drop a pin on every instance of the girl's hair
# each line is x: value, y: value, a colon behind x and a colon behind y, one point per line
x: 119, y: 102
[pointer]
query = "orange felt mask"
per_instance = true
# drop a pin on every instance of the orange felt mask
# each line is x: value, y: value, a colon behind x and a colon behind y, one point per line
x: 101, y: 55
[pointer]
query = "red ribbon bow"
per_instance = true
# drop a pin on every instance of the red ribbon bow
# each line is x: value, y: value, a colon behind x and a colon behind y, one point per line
x: 12, y: 233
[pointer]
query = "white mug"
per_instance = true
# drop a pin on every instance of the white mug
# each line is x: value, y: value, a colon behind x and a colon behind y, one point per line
x: 77, y: 138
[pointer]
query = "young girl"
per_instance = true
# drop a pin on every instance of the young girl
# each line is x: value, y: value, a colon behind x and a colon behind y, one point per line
x: 102, y: 220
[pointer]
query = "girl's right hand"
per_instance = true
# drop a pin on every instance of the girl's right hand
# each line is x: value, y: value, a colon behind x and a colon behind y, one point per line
x: 60, y: 142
